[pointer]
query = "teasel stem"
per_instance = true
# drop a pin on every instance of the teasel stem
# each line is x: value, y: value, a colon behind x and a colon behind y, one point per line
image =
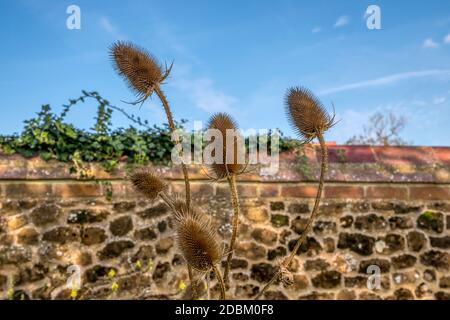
x: 235, y: 221
x: 220, y: 281
x: 315, y: 211
x: 166, y: 106
x: 208, y: 286
x: 192, y: 282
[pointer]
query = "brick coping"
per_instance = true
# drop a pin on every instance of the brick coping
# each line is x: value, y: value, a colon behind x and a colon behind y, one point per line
x: 347, y: 164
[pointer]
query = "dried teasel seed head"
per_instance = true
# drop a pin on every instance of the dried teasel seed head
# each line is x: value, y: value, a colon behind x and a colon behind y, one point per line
x: 139, y: 68
x: 225, y: 123
x: 180, y: 208
x: 306, y: 113
x: 198, y: 242
x: 148, y: 183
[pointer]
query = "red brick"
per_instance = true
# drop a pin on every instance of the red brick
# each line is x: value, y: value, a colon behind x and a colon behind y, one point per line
x: 269, y: 190
x: 202, y: 189
x: 379, y: 192
x: 124, y: 189
x: 349, y: 154
x: 299, y: 191
x: 247, y: 191
x: 73, y: 190
x: 177, y: 188
x: 19, y: 190
x: 244, y: 190
x: 223, y: 190
x: 292, y: 156
x: 404, y: 155
x: 429, y: 193
x: 442, y: 154
x: 8, y: 171
x: 344, y: 192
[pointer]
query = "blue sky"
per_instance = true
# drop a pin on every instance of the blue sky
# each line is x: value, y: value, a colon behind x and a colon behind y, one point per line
x: 236, y: 56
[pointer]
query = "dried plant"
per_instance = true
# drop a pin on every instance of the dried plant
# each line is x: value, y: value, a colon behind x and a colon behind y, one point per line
x: 196, y: 238
x: 140, y: 69
x: 310, y: 119
x: 224, y: 122
x: 199, y: 244
x: 229, y: 170
x: 306, y: 114
x: 148, y: 183
x: 144, y: 75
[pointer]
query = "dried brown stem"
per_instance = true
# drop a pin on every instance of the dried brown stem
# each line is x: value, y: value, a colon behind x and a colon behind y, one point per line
x: 235, y: 221
x: 314, y: 213
x: 166, y: 106
x: 220, y: 281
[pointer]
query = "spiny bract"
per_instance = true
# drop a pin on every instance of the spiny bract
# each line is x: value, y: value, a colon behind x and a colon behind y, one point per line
x: 148, y: 183
x: 198, y: 242
x: 224, y: 123
x: 138, y: 67
x: 306, y: 113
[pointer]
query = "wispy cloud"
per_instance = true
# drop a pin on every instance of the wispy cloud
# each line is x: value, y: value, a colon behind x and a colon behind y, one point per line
x: 439, y: 100
x: 342, y: 21
x: 386, y: 80
x: 447, y: 39
x: 204, y: 95
x: 316, y: 30
x: 106, y: 25
x: 429, y: 43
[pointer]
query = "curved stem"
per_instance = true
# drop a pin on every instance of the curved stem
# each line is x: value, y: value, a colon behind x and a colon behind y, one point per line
x: 187, y: 185
x: 192, y: 282
x: 208, y: 285
x: 166, y: 106
x: 235, y: 221
x: 220, y: 281
x: 315, y: 211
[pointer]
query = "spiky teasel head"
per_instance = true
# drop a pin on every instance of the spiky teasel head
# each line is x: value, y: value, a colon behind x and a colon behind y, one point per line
x: 306, y: 113
x: 224, y: 122
x: 147, y: 182
x: 198, y: 242
x: 139, y: 68
x: 180, y: 208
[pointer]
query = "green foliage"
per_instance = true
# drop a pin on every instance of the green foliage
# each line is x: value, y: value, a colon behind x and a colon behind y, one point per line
x: 50, y: 137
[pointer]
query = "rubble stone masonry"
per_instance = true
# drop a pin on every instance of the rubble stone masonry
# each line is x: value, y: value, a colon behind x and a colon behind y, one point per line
x: 386, y: 208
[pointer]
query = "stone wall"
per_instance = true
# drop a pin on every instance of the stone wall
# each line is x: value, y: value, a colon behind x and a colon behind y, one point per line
x: 383, y: 206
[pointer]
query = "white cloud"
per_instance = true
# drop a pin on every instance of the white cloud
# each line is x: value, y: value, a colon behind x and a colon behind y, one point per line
x: 447, y: 39
x: 204, y: 95
x: 316, y: 30
x: 439, y: 100
x: 387, y: 80
x: 341, y: 21
x: 430, y: 43
x: 107, y: 26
